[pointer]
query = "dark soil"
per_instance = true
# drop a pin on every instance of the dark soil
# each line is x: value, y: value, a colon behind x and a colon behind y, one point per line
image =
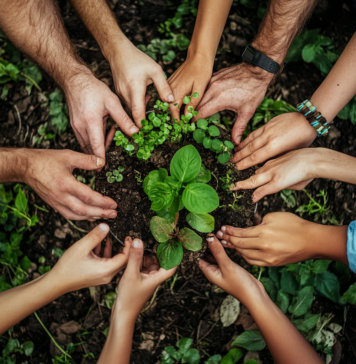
x: 191, y: 310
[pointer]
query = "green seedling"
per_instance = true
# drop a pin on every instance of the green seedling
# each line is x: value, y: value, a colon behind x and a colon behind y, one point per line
x: 289, y: 197
x: 186, y: 187
x: 227, y: 182
x: 138, y: 177
x: 115, y: 175
x: 58, y: 110
x: 12, y: 347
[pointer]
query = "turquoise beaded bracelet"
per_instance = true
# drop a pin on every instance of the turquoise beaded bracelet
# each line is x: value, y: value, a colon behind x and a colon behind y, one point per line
x: 316, y: 120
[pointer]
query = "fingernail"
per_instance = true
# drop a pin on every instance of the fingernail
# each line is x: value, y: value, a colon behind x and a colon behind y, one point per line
x: 170, y: 98
x: 113, y: 207
x: 223, y: 228
x: 96, y: 217
x: 104, y: 227
x: 134, y: 129
x: 137, y: 243
x: 223, y: 242
x: 112, y: 215
x: 219, y: 234
x: 210, y: 239
x: 100, y: 162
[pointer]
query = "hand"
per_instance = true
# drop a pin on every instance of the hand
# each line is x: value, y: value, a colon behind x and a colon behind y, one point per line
x: 229, y: 276
x: 192, y: 76
x: 292, y: 171
x: 81, y: 265
x: 133, y: 71
x: 136, y: 286
x: 90, y: 103
x: 281, y: 134
x: 284, y: 238
x: 239, y: 88
x: 49, y: 173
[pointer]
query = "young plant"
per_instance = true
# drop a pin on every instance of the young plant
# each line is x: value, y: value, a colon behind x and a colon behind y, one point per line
x: 227, y: 182
x: 58, y: 109
x: 186, y: 187
x: 115, y: 175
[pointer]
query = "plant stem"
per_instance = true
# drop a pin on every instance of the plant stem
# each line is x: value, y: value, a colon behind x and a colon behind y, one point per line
x: 41, y: 208
x: 51, y: 337
x: 260, y: 273
x: 31, y: 80
x: 76, y: 227
x: 152, y: 300
x: 13, y: 209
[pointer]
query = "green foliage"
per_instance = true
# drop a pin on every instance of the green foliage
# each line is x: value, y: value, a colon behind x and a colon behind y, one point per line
x: 350, y: 295
x: 12, y: 347
x: 289, y: 197
x: 250, y: 340
x: 170, y: 194
x: 110, y: 299
x: 14, y: 221
x: 59, y: 111
x: 314, y: 48
x: 115, y: 175
x: 42, y: 135
x: 349, y: 111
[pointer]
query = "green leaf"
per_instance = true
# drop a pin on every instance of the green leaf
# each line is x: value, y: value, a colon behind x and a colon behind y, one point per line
x: 202, y: 222
x: 353, y: 113
x: 307, y: 323
x: 12, y: 345
x: 21, y: 201
x: 57, y: 252
x: 229, y: 145
x: 288, y: 282
x: 250, y: 340
x: 191, y: 357
x: 204, y: 175
x: 182, y: 42
x: 154, y: 177
x: 217, y: 145
x: 207, y: 143
x: 202, y: 124
x: 186, y: 100
x: 170, y: 254
x: 185, y: 164
x: 308, y: 53
x: 28, y: 347
x: 161, y: 228
x: 320, y: 266
x: 345, y: 112
x: 282, y: 300
x: 190, y: 240
x: 198, y: 135
x: 215, y: 359
x: 224, y: 157
x: 195, y: 95
x: 270, y: 287
x: 304, y: 300
x: 252, y: 361
x: 161, y: 196
x: 213, y: 131
x: 25, y: 263
x: 200, y: 198
x: 232, y: 357
x: 110, y: 299
x: 173, y: 183
x: 327, y: 285
x: 184, y: 344
x: 350, y: 295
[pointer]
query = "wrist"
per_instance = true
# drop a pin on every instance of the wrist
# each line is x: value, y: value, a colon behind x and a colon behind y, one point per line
x: 117, y: 49
x: 201, y: 56
x: 255, y: 298
x: 76, y: 78
x: 262, y: 76
x: 14, y: 164
x: 267, y: 50
x: 121, y: 316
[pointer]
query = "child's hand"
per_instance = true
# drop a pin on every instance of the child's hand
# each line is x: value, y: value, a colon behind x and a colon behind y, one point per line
x: 292, y: 171
x: 284, y: 238
x: 229, y: 276
x: 136, y: 286
x: 81, y: 266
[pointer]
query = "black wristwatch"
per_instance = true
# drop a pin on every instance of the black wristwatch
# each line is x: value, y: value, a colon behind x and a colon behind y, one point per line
x: 256, y: 58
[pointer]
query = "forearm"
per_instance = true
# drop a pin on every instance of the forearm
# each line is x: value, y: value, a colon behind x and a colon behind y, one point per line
x: 13, y: 164
x: 285, y: 342
x: 118, y: 344
x: 209, y: 26
x: 19, y: 302
x: 339, y: 86
x: 36, y: 28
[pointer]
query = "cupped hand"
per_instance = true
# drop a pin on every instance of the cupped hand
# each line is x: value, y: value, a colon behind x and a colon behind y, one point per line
x: 81, y: 265
x: 229, y: 276
x: 137, y: 286
x: 238, y: 88
x: 192, y: 76
x: 292, y: 171
x: 282, y: 238
x: 49, y: 173
x: 283, y: 133
x: 133, y: 71
x: 90, y: 103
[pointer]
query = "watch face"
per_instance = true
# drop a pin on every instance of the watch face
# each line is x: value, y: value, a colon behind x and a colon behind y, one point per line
x: 248, y: 54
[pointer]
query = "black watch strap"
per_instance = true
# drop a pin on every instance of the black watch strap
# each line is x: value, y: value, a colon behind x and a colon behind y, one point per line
x: 257, y: 58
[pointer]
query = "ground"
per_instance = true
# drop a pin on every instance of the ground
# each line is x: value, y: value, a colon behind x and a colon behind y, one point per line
x: 189, y: 306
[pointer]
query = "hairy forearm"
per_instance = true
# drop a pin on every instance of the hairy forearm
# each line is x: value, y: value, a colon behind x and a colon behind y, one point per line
x: 209, y: 25
x: 117, y: 348
x: 13, y: 164
x: 19, y: 302
x: 339, y: 86
x: 285, y: 342
x: 283, y: 21
x: 36, y: 28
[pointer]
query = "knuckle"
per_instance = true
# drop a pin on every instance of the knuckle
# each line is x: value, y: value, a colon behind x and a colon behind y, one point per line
x: 78, y: 210
x: 253, y: 157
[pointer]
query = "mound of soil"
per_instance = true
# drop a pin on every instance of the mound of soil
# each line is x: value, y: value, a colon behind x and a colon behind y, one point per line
x: 134, y: 207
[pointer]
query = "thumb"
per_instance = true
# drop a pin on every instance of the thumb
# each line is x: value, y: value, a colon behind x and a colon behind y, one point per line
x: 163, y: 88
x: 94, y: 237
x: 218, y: 252
x: 135, y: 258
x: 86, y: 161
x: 240, y: 126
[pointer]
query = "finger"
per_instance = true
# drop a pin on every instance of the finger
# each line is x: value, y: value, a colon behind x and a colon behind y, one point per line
x: 138, y: 108
x: 218, y: 252
x: 162, y: 86
x: 94, y: 237
x: 135, y: 258
x: 97, y: 250
x: 120, y: 117
x: 227, y: 231
x: 195, y: 101
x: 244, y: 243
x: 119, y: 261
x: 108, y: 248
x: 175, y: 107
x: 252, y: 255
x: 253, y: 182
x: 255, y: 158
x: 250, y: 148
x: 252, y: 136
x: 149, y: 260
x: 110, y: 137
x: 209, y: 105
x: 265, y: 190
x: 86, y: 161
x: 83, y: 139
x: 97, y: 138
x: 240, y: 126
x: 211, y: 271
x: 163, y: 275
x: 259, y: 263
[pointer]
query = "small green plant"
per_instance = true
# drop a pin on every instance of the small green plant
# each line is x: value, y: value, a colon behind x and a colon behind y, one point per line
x: 349, y: 111
x: 314, y: 48
x: 138, y: 177
x: 227, y: 182
x: 115, y: 175
x: 12, y: 347
x: 289, y: 197
x: 59, y: 111
x: 186, y: 187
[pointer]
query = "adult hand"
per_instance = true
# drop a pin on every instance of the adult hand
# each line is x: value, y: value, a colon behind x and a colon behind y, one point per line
x: 81, y: 265
x: 239, y: 88
x: 284, y: 238
x: 292, y: 171
x: 136, y: 286
x: 281, y: 134
x: 133, y: 71
x: 229, y: 276
x: 192, y: 76
x: 90, y: 103
x: 49, y: 173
